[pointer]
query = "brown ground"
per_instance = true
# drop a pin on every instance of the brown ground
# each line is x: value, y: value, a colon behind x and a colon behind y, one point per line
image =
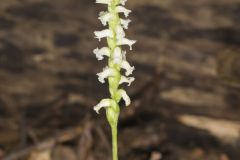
x: 181, y: 108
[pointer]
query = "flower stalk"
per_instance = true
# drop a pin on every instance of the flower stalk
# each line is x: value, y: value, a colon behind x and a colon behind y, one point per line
x: 116, y: 62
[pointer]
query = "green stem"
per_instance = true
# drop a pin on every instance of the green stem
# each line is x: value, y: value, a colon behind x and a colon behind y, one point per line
x: 112, y: 117
x: 114, y: 142
x: 113, y: 111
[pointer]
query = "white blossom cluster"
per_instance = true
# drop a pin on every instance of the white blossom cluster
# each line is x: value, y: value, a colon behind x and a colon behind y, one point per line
x: 114, y: 54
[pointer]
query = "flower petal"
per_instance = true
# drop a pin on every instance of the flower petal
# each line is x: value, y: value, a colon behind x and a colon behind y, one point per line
x: 107, y: 72
x: 104, y: 1
x: 125, y: 41
x: 128, y: 80
x: 104, y: 17
x: 117, y: 55
x: 104, y: 33
x: 120, y: 32
x: 125, y: 23
x: 123, y: 2
x: 129, y: 69
x: 125, y: 11
x: 125, y: 97
x: 102, y: 104
x: 105, y: 51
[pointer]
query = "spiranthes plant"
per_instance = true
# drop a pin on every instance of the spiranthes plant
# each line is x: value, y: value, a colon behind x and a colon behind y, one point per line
x: 115, y: 36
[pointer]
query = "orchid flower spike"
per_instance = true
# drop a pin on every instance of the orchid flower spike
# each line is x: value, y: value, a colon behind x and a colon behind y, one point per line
x: 116, y: 57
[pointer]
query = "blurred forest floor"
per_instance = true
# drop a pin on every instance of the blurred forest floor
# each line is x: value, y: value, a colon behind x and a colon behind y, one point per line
x: 181, y: 109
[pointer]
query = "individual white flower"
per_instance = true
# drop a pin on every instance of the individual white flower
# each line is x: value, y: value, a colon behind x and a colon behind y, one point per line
x: 125, y: 97
x: 104, y: 17
x: 125, y: 41
x: 120, y: 32
x: 129, y: 69
x: 125, y: 11
x: 123, y: 2
x: 117, y: 55
x: 104, y: 1
x: 107, y: 72
x: 102, y: 104
x: 104, y: 33
x: 125, y: 23
x: 105, y: 51
x: 128, y: 80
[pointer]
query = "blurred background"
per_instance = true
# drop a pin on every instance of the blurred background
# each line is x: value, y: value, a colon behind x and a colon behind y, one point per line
x: 185, y: 100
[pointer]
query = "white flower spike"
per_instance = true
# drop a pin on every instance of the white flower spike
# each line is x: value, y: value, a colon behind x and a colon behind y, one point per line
x: 115, y: 36
x: 105, y: 51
